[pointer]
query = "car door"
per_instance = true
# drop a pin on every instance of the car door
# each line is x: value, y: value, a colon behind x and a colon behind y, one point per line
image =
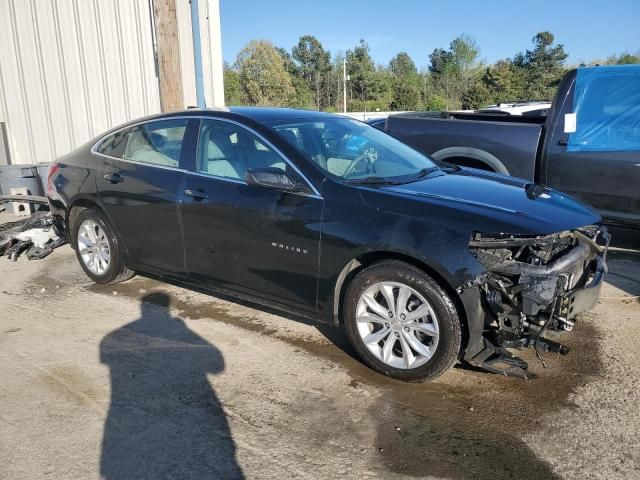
x: 138, y: 185
x: 599, y: 162
x: 249, y: 238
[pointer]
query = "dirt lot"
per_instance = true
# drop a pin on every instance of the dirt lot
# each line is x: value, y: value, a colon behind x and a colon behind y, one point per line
x: 150, y: 380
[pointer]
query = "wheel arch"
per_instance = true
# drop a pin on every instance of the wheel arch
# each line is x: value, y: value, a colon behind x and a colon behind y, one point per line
x: 79, y: 204
x: 74, y: 209
x: 362, y: 261
x: 477, y: 154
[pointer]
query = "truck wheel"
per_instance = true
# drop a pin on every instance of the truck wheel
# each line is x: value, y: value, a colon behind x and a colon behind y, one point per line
x: 97, y: 248
x: 401, y: 322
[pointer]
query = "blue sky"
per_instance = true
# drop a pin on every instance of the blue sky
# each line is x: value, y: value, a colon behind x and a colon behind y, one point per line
x: 589, y: 29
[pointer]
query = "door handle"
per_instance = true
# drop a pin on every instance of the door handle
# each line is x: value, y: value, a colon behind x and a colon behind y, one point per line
x: 113, y: 178
x: 563, y: 141
x: 196, y: 194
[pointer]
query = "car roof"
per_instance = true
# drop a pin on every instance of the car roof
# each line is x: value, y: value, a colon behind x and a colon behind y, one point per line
x: 258, y: 114
x: 268, y: 114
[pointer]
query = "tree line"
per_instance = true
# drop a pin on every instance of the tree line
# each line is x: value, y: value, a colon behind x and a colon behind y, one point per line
x: 308, y: 76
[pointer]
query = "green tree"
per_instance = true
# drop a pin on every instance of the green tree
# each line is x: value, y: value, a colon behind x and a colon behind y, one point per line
x: 434, y: 102
x: 232, y: 88
x: 380, y: 94
x: 454, y: 71
x: 543, y: 66
x: 402, y: 66
x: 623, y: 59
x: 502, y: 81
x: 361, y: 69
x: 263, y: 74
x: 439, y: 60
x: 478, y: 96
x: 302, y: 97
x: 289, y: 65
x: 314, y: 62
x: 406, y: 83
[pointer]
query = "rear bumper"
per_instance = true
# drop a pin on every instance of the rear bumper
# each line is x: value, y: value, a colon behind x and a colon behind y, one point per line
x: 58, y: 217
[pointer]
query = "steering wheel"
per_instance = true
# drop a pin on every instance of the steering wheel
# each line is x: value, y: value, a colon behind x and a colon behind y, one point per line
x: 356, y: 161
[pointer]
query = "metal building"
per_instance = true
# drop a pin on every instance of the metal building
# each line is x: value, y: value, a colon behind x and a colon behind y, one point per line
x: 70, y: 69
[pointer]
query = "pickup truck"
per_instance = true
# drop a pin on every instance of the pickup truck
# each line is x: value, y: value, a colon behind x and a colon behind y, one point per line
x: 588, y: 145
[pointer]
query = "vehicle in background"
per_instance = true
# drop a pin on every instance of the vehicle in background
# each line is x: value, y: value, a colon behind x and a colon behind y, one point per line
x: 527, y: 109
x: 377, y: 122
x: 421, y: 265
x: 588, y: 145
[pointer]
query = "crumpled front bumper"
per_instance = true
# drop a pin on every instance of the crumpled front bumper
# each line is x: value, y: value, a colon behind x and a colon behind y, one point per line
x: 521, y: 299
x: 581, y: 299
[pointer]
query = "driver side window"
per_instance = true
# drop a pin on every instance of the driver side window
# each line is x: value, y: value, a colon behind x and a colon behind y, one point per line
x: 228, y: 150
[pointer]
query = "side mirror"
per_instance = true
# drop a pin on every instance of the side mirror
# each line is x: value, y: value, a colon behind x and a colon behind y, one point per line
x: 272, y: 178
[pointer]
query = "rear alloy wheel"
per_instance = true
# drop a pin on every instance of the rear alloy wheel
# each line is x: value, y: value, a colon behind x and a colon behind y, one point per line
x: 97, y: 248
x: 93, y: 247
x: 401, y: 322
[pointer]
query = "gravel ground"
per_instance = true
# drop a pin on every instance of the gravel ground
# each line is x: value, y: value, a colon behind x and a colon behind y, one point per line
x: 151, y: 380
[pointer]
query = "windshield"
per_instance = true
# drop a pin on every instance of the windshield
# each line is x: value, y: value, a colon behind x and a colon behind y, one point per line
x: 354, y: 151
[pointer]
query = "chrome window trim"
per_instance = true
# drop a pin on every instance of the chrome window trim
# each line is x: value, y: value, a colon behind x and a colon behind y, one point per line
x: 94, y: 150
x: 217, y: 177
x: 144, y: 164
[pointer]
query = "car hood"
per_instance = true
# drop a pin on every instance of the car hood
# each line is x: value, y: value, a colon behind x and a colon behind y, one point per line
x: 500, y: 204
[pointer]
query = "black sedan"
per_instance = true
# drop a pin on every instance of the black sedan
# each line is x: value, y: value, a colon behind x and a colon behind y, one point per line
x: 423, y: 264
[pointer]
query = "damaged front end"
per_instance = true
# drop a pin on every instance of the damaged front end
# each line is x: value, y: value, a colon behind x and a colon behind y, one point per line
x: 534, y: 284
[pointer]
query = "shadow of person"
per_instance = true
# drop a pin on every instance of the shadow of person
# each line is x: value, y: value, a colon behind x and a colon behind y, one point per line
x: 164, y: 419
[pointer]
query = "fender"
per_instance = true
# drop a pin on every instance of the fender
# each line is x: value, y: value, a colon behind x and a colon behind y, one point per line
x: 466, y: 300
x: 89, y: 201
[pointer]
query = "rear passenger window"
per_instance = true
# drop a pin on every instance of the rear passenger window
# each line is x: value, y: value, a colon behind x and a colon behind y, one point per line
x: 228, y: 150
x: 156, y: 143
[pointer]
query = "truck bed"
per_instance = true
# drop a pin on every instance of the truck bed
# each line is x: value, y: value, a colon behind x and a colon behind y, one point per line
x: 507, y: 144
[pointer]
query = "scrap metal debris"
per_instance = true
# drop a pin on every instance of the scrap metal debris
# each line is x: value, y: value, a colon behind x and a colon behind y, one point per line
x: 34, y: 236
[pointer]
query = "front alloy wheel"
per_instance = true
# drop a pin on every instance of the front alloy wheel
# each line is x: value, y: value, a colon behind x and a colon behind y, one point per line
x: 397, y: 325
x: 401, y: 322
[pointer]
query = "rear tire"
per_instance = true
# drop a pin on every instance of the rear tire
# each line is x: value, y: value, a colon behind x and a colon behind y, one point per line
x: 97, y: 248
x: 401, y: 322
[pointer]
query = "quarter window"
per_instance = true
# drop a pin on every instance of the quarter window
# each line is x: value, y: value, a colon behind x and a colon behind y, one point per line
x: 228, y: 150
x: 156, y: 143
x: 114, y: 145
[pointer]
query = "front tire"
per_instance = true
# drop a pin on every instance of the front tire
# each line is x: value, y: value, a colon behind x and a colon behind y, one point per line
x: 97, y: 248
x: 401, y: 322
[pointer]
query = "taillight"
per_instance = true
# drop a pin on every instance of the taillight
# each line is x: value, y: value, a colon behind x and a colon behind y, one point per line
x: 53, y: 169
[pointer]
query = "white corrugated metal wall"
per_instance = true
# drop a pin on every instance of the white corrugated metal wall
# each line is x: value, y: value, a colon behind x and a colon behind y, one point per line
x: 70, y: 69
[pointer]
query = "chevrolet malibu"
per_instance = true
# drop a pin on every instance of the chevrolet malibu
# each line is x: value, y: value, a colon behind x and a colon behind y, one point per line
x: 423, y: 264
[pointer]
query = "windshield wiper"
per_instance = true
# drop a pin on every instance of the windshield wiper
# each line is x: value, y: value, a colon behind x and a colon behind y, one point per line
x: 387, y: 181
x: 449, y: 167
x: 424, y: 172
x: 373, y: 181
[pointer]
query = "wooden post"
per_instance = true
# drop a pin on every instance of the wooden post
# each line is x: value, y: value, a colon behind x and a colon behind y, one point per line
x: 170, y: 76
